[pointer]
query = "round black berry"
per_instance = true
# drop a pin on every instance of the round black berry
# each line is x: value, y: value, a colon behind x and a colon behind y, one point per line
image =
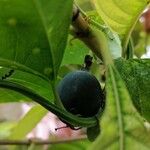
x: 81, y: 93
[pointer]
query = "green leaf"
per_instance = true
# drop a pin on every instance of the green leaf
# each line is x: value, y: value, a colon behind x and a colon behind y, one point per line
x: 33, y: 82
x: 114, y: 42
x: 71, y: 145
x: 5, y: 128
x: 93, y: 132
x: 74, y: 52
x: 7, y: 95
x: 121, y: 16
x: 28, y: 122
x: 33, y: 34
x: 61, y: 113
x: 121, y: 127
x: 136, y: 74
x: 140, y: 40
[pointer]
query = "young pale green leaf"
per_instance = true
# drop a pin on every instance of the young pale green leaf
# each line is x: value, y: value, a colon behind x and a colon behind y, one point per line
x: 33, y: 34
x: 33, y: 82
x: 136, y: 74
x: 114, y: 42
x: 121, y: 16
x: 121, y: 127
x: 27, y: 123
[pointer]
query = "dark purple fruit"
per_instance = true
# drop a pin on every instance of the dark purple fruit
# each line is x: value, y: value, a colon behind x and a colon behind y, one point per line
x: 81, y: 93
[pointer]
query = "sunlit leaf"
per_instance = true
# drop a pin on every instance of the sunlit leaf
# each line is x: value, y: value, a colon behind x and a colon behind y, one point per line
x: 28, y: 122
x: 114, y: 42
x: 5, y: 128
x: 121, y: 16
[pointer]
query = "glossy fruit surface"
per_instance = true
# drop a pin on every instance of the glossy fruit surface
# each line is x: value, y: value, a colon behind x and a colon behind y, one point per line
x: 80, y: 93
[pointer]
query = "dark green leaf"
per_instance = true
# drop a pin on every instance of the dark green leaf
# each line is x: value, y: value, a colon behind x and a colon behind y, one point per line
x: 33, y: 34
x: 93, y: 132
x: 121, y: 126
x: 136, y: 74
x: 74, y: 52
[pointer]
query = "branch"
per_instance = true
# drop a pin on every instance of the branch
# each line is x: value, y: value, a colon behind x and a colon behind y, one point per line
x: 40, y: 142
x: 94, y: 38
x: 83, y: 31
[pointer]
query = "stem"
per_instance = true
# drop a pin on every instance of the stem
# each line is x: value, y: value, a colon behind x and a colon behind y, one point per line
x: 38, y: 142
x: 64, y: 115
x: 94, y: 38
x: 130, y: 49
x: 126, y: 40
x: 83, y: 31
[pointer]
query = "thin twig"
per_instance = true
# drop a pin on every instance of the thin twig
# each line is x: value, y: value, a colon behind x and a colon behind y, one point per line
x: 40, y: 142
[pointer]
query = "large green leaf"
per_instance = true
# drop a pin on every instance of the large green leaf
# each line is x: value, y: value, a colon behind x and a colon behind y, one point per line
x: 136, y: 74
x: 121, y: 16
x: 33, y: 82
x: 122, y: 128
x: 33, y: 34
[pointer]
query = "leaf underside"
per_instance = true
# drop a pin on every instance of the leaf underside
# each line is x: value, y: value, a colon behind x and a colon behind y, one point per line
x: 121, y: 126
x: 136, y: 74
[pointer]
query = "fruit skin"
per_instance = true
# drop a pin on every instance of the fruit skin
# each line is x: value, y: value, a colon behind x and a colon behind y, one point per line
x: 81, y: 93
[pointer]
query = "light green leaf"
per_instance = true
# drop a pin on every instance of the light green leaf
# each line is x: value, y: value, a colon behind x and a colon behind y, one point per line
x: 114, y: 42
x: 5, y: 129
x: 28, y: 122
x: 121, y: 127
x: 33, y: 34
x: 121, y: 16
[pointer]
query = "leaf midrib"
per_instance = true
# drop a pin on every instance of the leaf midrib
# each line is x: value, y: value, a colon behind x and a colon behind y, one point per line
x: 17, y: 66
x: 45, y: 29
x: 118, y: 107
